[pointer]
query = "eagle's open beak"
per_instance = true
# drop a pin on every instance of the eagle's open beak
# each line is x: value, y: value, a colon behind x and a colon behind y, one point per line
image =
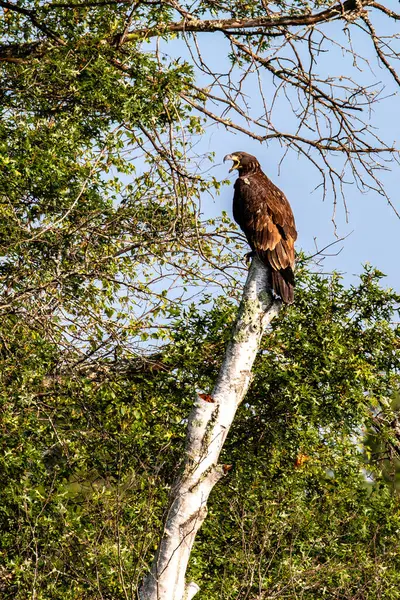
x: 236, y: 161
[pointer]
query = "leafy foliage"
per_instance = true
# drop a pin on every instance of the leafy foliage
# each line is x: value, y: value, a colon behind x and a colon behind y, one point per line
x: 102, y: 244
x: 89, y: 457
x: 100, y: 224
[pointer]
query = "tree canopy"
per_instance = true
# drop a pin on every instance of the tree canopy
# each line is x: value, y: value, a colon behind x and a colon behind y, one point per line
x: 104, y: 245
x: 306, y: 506
x: 101, y: 115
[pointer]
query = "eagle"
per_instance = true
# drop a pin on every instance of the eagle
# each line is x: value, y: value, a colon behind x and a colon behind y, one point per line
x: 264, y: 214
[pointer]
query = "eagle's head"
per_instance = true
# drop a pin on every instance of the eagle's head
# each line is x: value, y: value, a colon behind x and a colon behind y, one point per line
x: 243, y: 162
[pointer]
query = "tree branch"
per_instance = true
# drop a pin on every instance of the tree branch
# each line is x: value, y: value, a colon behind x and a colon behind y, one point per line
x: 31, y: 15
x: 208, y: 427
x: 10, y: 53
x: 340, y: 10
x: 387, y: 11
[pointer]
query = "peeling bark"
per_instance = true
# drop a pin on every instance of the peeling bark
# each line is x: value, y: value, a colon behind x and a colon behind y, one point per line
x: 208, y: 426
x: 341, y: 10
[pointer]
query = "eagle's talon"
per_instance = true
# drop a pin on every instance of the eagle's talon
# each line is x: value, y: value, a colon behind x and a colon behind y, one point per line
x: 248, y: 256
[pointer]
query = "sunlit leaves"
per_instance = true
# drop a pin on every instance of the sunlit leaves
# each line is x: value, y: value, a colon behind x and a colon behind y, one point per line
x: 90, y: 453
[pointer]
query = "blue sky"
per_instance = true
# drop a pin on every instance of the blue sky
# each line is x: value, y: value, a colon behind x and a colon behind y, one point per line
x: 373, y: 226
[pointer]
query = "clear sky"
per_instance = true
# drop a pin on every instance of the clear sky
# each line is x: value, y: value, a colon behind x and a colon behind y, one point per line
x: 375, y: 227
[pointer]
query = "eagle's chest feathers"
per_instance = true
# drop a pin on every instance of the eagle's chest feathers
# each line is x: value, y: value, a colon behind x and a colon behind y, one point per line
x: 245, y: 180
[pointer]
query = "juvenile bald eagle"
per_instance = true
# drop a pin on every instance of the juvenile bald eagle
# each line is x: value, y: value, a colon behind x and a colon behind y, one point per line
x: 264, y: 214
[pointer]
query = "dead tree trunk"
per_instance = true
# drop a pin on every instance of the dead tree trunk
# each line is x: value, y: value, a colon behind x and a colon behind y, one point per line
x: 208, y: 427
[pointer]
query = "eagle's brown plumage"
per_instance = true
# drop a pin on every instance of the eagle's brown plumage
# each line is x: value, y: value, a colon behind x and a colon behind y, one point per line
x: 264, y: 214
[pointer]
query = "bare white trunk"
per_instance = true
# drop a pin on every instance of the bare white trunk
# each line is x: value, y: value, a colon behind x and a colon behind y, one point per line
x: 208, y: 426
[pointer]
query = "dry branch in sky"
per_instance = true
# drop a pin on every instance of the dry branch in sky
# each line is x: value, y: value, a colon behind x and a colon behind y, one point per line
x: 280, y: 48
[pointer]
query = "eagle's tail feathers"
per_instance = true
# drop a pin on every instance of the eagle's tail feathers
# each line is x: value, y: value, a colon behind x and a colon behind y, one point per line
x: 283, y: 284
